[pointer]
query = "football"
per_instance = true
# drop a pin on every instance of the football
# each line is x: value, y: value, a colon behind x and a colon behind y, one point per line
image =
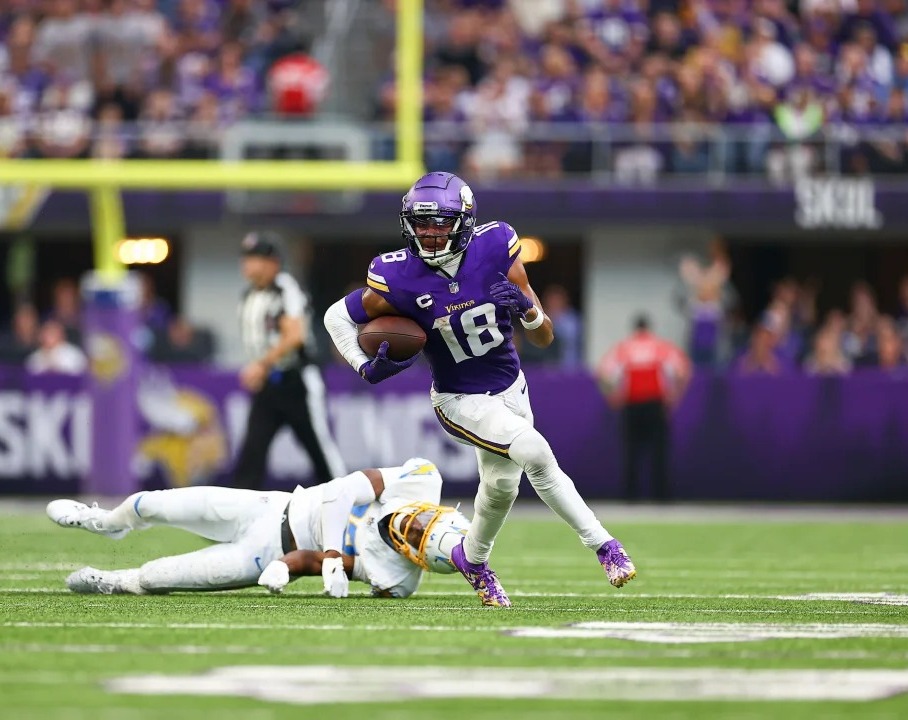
x: 405, y: 337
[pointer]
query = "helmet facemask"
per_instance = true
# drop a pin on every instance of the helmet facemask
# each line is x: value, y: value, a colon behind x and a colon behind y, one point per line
x: 425, y: 534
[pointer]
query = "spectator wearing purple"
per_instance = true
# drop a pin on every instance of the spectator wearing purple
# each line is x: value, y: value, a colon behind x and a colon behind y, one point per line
x: 198, y: 22
x: 615, y: 23
x: 868, y: 12
x: 557, y: 81
x: 596, y: 106
x: 706, y: 298
x: 880, y: 65
x: 234, y: 84
x: 193, y: 69
x: 761, y: 358
x: 859, y: 339
x: 21, y: 78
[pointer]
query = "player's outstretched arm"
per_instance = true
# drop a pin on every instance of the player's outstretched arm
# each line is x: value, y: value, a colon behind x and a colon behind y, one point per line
x: 300, y: 563
x: 515, y: 293
x: 338, y: 500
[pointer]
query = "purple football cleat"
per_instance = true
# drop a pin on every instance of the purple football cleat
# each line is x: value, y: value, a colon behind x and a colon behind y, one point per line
x: 618, y: 566
x: 483, y: 580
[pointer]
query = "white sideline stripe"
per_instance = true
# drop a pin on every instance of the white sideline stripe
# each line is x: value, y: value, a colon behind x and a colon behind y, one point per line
x: 880, y: 598
x: 522, y: 652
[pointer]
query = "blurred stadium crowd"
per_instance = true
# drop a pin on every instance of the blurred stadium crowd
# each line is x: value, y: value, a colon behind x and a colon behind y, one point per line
x: 788, y: 336
x: 49, y: 339
x: 140, y: 78
x: 514, y: 88
x: 636, y: 88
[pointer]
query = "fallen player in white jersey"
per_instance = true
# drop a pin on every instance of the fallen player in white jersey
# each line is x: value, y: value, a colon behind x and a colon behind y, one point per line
x: 381, y: 526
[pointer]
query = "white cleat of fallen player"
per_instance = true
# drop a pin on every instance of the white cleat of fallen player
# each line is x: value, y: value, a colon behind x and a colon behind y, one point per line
x: 74, y: 514
x: 91, y: 581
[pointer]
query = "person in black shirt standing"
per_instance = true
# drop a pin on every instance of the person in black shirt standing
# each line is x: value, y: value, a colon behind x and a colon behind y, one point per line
x: 286, y: 386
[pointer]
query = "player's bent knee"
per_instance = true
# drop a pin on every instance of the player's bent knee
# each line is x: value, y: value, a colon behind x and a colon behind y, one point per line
x: 531, y: 451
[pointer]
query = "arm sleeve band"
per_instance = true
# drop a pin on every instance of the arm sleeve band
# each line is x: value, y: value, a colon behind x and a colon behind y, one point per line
x: 342, y: 329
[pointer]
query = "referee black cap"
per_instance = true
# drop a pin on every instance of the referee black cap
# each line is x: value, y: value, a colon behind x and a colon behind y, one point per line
x: 262, y: 243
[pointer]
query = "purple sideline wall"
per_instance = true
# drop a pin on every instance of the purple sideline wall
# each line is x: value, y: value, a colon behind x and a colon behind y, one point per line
x: 793, y: 438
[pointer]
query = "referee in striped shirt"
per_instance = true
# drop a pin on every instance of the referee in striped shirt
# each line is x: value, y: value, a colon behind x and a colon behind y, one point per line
x: 285, y: 384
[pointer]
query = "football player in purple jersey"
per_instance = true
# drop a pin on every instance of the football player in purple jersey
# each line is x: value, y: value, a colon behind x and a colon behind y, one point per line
x: 463, y: 283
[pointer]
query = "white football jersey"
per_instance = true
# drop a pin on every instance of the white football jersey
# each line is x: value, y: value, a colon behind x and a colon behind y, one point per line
x: 377, y: 563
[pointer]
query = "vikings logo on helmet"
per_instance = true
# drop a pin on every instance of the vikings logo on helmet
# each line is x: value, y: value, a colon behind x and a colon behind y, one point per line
x: 439, y: 199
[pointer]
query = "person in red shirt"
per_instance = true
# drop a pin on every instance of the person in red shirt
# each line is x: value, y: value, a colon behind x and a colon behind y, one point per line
x: 644, y: 376
x: 297, y: 84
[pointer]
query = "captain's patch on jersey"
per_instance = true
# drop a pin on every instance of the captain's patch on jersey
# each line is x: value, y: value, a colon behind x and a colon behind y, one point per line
x: 317, y: 684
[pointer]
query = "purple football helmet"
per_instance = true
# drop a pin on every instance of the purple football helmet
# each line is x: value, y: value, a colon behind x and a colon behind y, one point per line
x: 442, y: 200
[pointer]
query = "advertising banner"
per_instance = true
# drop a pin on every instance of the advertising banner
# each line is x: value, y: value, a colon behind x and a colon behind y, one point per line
x: 792, y: 438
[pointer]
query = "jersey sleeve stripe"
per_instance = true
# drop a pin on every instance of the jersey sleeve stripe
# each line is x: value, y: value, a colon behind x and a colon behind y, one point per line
x: 375, y: 276
x: 514, y: 250
x: 377, y: 285
x: 513, y: 240
x: 462, y: 433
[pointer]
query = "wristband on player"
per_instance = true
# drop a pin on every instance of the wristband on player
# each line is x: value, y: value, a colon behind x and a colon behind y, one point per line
x: 537, y: 322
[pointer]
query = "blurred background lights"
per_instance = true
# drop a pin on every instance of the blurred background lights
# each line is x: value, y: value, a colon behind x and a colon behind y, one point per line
x: 143, y: 251
x: 532, y: 249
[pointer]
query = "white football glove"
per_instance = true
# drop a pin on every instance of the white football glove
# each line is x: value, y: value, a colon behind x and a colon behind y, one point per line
x: 275, y: 576
x: 336, y: 583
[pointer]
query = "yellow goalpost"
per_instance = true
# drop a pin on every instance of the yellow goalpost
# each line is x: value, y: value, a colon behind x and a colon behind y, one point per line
x: 104, y: 179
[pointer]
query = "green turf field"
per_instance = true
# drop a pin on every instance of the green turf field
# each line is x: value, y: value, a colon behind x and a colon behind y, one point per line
x: 717, y: 611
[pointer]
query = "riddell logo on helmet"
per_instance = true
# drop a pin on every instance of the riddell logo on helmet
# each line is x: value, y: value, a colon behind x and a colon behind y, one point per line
x: 425, y: 207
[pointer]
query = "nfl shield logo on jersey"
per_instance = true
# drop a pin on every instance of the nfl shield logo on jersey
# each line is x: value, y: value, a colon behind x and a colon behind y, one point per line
x: 454, y: 287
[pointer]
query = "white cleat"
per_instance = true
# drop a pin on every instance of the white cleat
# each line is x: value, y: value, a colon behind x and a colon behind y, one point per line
x: 73, y: 514
x: 91, y: 581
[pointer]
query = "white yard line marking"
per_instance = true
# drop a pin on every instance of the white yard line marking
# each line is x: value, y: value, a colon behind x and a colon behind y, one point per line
x: 687, y: 633
x: 310, y: 684
x: 318, y: 650
x: 248, y: 626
